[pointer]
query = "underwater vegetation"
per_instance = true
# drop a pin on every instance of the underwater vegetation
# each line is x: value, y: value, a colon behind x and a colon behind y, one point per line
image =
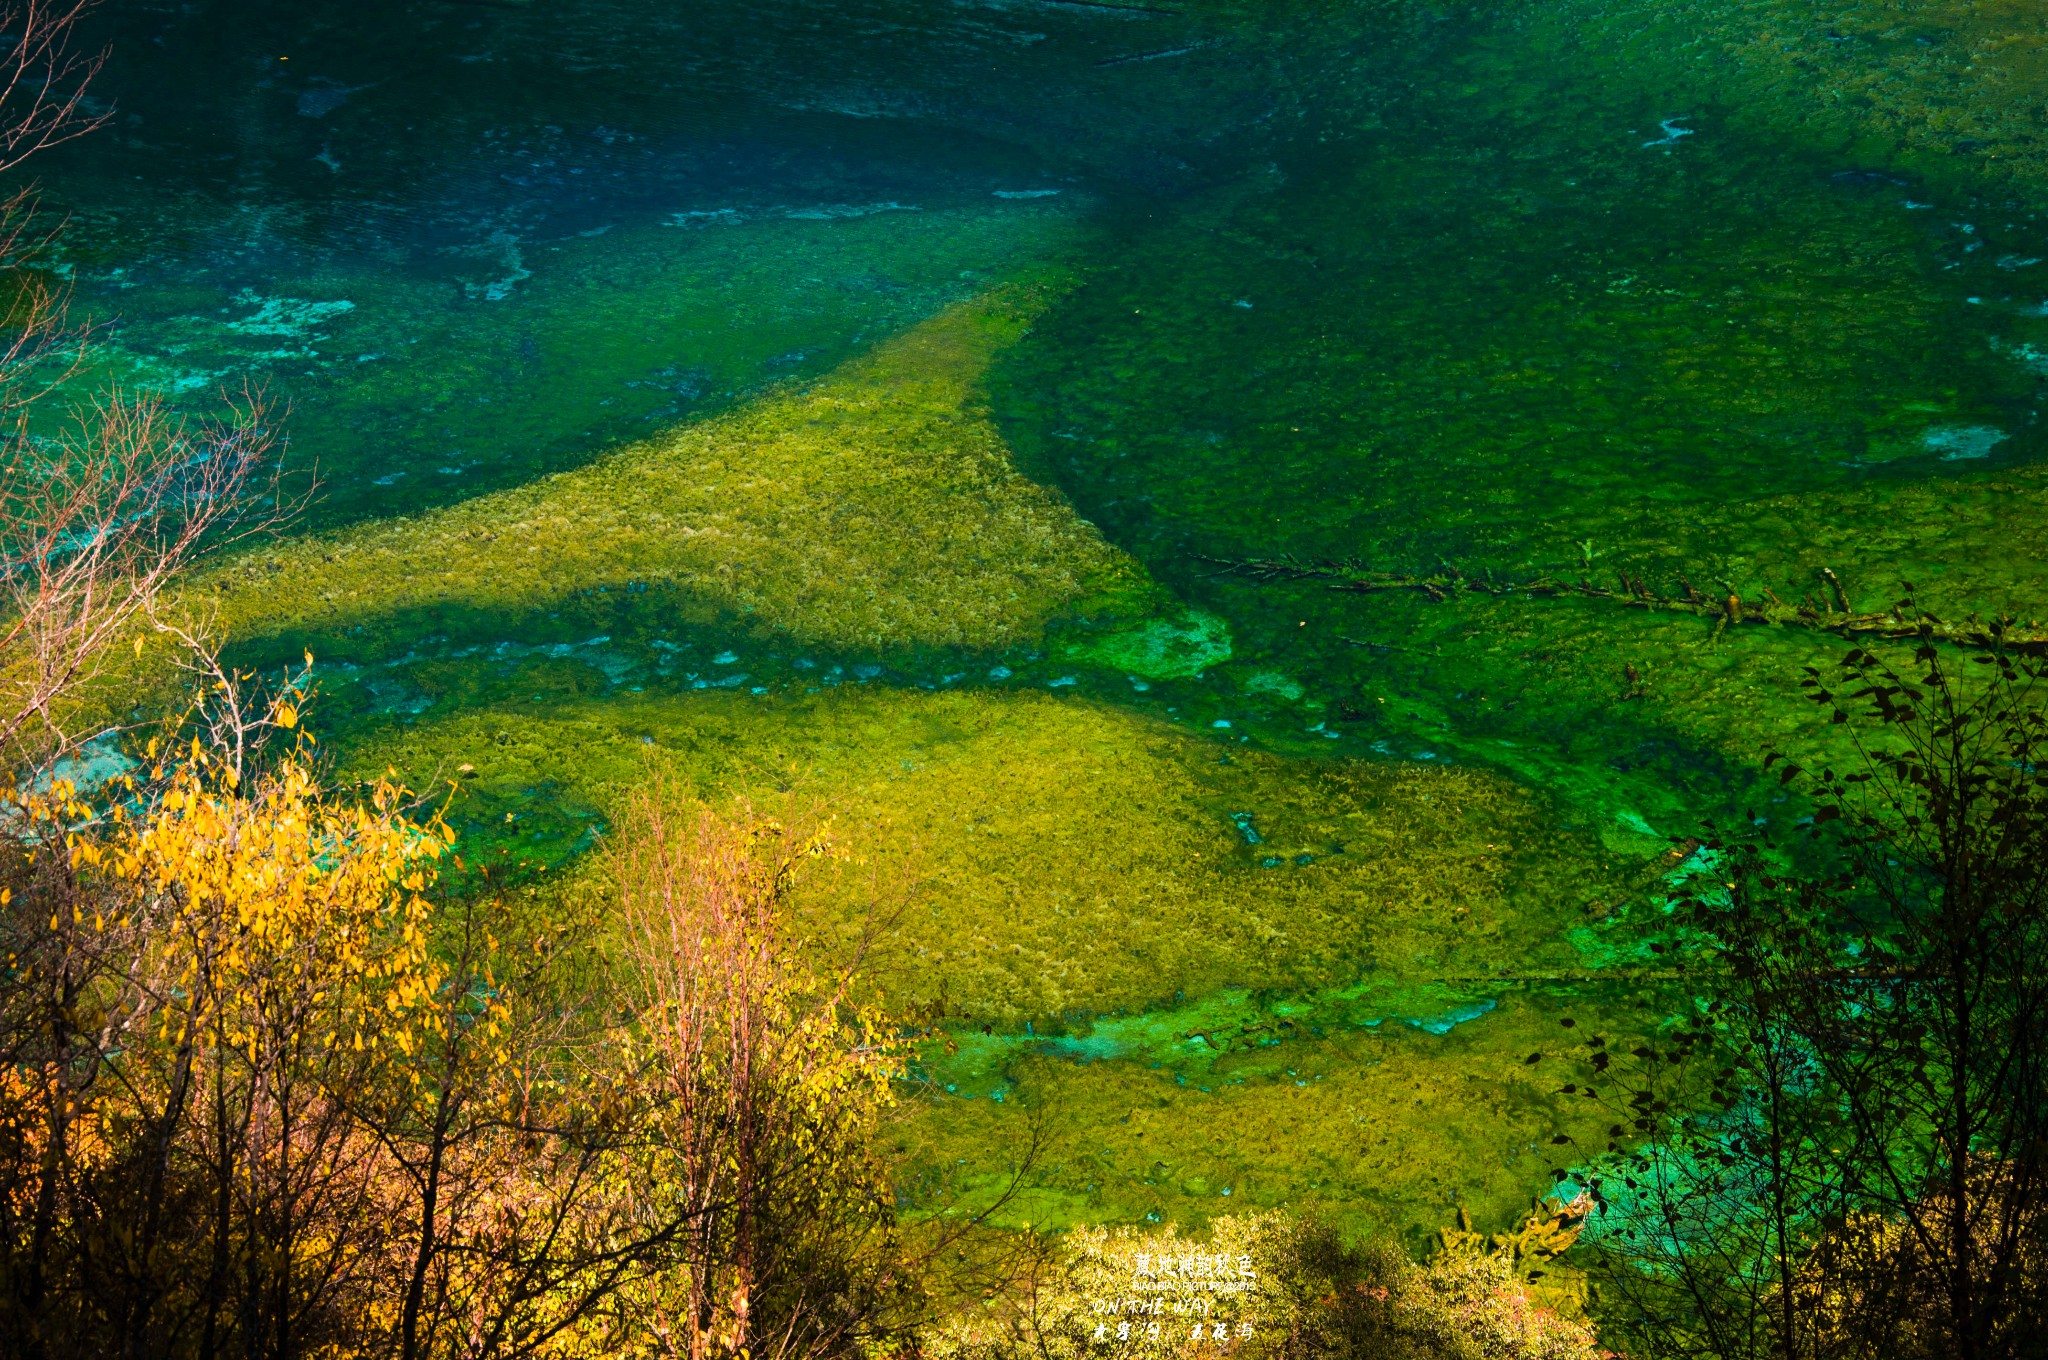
x: 1517, y: 327
x: 504, y: 355
x: 1385, y: 1128
x: 1952, y: 89
x: 885, y: 422
x: 1824, y: 609
x: 1058, y: 858
x: 1045, y: 866
x: 874, y: 508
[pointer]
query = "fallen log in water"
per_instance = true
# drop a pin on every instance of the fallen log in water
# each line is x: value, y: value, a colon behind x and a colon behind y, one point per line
x: 1826, y: 611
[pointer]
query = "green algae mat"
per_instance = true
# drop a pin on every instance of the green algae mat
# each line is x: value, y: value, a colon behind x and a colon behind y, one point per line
x: 922, y: 407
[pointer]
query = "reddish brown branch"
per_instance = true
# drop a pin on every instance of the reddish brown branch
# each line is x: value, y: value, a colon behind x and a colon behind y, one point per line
x: 93, y: 526
x: 42, y: 79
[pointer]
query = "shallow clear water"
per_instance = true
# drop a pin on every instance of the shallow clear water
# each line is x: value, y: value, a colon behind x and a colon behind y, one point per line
x: 1522, y: 290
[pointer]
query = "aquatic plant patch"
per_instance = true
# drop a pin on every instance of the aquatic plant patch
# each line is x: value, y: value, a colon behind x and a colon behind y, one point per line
x: 1385, y: 1128
x: 875, y: 508
x: 1041, y: 857
x: 1947, y: 89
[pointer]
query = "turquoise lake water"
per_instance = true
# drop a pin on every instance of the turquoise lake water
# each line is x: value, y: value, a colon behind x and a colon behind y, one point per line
x: 1516, y: 290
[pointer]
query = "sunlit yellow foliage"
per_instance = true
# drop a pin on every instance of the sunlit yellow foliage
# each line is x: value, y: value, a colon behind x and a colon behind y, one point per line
x: 770, y: 1076
x: 417, y: 1131
x: 260, y: 892
x: 1533, y: 1250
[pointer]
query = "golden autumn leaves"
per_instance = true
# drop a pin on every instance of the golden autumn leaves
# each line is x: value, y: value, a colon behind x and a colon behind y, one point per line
x: 267, y: 1081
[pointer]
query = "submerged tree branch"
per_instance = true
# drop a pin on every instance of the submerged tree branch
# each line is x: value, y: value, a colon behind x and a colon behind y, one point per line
x: 1825, y: 610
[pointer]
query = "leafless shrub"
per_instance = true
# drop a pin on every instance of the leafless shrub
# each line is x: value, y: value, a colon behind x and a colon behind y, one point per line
x: 94, y: 526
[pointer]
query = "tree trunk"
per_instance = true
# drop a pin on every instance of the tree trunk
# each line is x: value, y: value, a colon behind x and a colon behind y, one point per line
x: 423, y: 1255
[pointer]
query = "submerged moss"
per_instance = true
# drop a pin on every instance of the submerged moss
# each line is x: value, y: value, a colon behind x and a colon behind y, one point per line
x: 1950, y: 88
x: 1518, y: 325
x: 1222, y: 976
x: 876, y: 508
x: 1385, y: 1128
x: 1065, y: 858
x: 1158, y: 649
x: 1522, y: 312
